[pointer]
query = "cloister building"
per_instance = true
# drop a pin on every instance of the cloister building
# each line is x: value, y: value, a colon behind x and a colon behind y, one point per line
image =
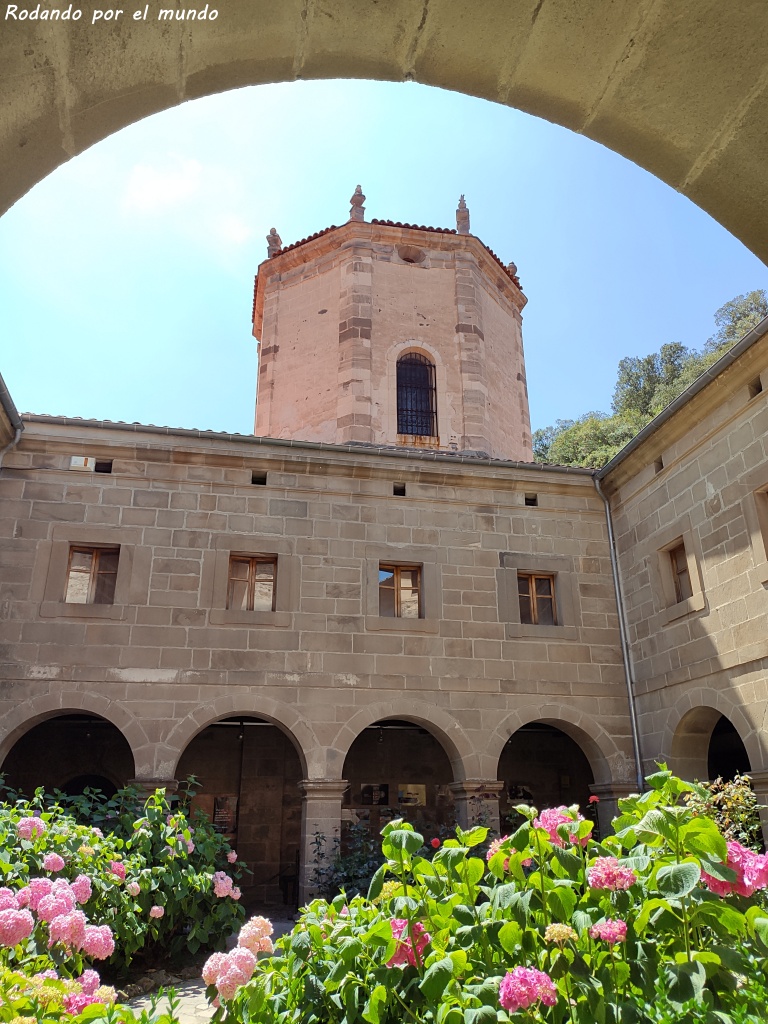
x: 378, y: 604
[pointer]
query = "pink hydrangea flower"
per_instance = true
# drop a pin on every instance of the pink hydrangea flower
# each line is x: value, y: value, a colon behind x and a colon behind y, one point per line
x: 31, y: 894
x: 236, y: 894
x: 607, y: 873
x: 31, y: 828
x: 254, y: 935
x: 133, y: 888
x: 81, y: 887
x: 98, y: 832
x: 232, y: 856
x: 53, y: 862
x: 55, y: 905
x: 117, y: 868
x: 222, y: 884
x: 8, y: 900
x: 552, y: 817
x: 751, y: 872
x: 404, y: 951
x: 211, y: 968
x: 68, y: 929
x: 156, y: 911
x: 494, y: 848
x: 98, y: 941
x: 525, y: 986
x: 235, y: 970
x: 609, y: 931
x: 89, y: 981
x: 76, y: 1002
x: 15, y: 926
x: 42, y: 975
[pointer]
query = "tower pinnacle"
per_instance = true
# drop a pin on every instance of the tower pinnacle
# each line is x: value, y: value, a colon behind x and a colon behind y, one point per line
x: 462, y: 217
x: 357, y: 211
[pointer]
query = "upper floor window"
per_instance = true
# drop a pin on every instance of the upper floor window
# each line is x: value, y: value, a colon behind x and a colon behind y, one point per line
x: 681, y: 576
x: 91, y: 575
x: 400, y: 591
x: 252, y: 581
x: 536, y: 593
x: 416, y: 396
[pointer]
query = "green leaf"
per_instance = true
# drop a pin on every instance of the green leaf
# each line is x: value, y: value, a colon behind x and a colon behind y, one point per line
x: 377, y: 882
x: 702, y: 838
x: 677, y: 880
x: 475, y: 836
x: 473, y: 871
x: 373, y: 1007
x: 480, y: 1015
x: 510, y: 935
x: 436, y: 979
x: 503, y: 895
x: 684, y: 981
x: 401, y: 839
x: 655, y: 824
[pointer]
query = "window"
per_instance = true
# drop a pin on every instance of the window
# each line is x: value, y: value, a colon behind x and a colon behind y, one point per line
x: 416, y: 396
x: 400, y: 591
x: 102, y: 466
x: 91, y: 575
x: 536, y: 593
x: 252, y: 583
x: 681, y: 577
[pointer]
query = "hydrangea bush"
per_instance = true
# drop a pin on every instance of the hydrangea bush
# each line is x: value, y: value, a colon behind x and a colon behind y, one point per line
x: 71, y: 893
x: 657, y: 923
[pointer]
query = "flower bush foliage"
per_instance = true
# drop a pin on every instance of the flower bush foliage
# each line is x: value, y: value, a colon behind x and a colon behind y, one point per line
x: 648, y: 926
x: 71, y: 893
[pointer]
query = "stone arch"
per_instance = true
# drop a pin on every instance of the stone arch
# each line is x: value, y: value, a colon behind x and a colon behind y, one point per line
x: 594, y: 72
x: 443, y: 726
x: 689, y: 725
x: 609, y: 764
x: 32, y: 712
x: 287, y: 719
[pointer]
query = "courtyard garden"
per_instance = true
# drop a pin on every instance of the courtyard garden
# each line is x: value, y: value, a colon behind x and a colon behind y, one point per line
x: 664, y: 920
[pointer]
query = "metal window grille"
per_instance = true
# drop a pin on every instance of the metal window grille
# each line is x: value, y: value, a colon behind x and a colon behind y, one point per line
x: 416, y: 396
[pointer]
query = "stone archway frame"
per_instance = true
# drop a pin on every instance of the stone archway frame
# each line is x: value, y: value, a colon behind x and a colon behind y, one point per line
x: 26, y: 715
x: 641, y: 79
x: 609, y: 764
x: 284, y: 717
x: 692, y: 718
x: 443, y: 726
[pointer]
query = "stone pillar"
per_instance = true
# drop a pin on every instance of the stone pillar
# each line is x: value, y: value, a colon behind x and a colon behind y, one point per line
x: 760, y: 788
x: 477, y: 802
x: 608, y: 794
x: 320, y: 816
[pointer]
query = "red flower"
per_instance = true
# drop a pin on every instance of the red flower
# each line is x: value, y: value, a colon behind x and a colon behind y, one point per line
x: 434, y: 843
x: 594, y: 799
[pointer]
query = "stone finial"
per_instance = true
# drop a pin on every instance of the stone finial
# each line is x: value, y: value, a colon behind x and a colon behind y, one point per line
x: 512, y: 268
x: 357, y: 211
x: 274, y: 243
x: 462, y: 217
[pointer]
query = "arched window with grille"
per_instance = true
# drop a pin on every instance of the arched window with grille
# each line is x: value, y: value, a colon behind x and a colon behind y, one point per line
x: 416, y: 396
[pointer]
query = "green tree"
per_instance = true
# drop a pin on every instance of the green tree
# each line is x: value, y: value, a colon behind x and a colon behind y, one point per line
x: 644, y: 386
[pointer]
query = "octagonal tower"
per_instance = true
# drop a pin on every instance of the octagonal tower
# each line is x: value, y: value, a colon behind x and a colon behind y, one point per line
x: 391, y: 334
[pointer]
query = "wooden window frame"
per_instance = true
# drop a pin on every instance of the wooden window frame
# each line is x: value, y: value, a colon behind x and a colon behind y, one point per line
x: 681, y: 573
x: 254, y: 561
x: 396, y: 571
x: 93, y: 573
x: 531, y: 577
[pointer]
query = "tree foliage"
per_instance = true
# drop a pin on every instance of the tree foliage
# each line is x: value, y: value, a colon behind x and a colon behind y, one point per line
x: 644, y: 386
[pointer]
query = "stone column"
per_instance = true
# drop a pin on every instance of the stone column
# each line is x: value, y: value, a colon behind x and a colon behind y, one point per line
x: 760, y: 788
x: 320, y: 817
x: 608, y: 794
x: 477, y: 802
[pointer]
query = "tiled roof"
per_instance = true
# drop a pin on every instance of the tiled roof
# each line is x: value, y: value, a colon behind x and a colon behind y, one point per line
x: 395, y: 224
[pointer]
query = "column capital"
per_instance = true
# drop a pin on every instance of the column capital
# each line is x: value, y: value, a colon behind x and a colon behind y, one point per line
x: 612, y: 790
x: 759, y: 779
x: 480, y: 788
x: 148, y: 786
x: 323, y: 789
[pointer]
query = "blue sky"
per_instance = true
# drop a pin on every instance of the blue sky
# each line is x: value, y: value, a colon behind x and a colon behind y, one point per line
x: 126, y: 276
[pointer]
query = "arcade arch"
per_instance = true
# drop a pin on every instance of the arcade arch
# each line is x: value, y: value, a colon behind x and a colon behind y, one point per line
x: 650, y: 86
x: 706, y: 745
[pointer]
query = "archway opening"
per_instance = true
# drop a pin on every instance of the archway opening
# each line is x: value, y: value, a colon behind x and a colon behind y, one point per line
x: 249, y: 771
x: 727, y: 756
x: 706, y: 745
x: 398, y: 769
x: 69, y: 752
x: 543, y: 766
